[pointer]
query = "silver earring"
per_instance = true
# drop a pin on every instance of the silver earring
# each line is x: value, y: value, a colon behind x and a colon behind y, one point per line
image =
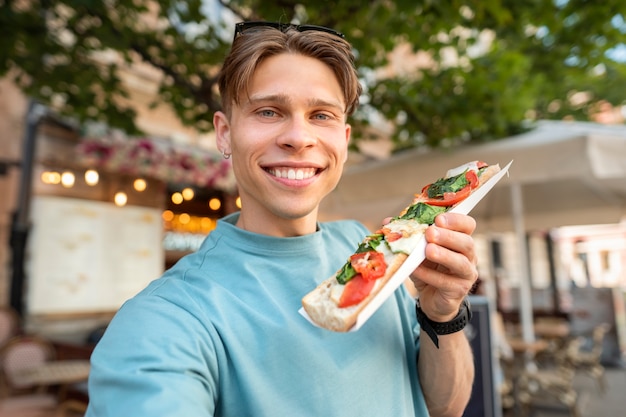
x: 225, y: 155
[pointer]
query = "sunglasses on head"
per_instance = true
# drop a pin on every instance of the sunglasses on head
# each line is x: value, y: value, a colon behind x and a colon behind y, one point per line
x: 241, y: 27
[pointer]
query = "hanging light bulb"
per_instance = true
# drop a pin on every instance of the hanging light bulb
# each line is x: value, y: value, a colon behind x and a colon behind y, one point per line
x: 177, y: 198
x: 50, y: 177
x: 188, y: 193
x: 184, y: 218
x: 168, y: 215
x: 140, y: 184
x: 207, y: 224
x: 68, y: 179
x: 120, y: 198
x: 92, y: 177
x: 215, y: 204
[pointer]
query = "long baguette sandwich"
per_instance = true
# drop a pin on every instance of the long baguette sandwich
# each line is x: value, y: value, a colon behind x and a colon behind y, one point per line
x: 336, y: 303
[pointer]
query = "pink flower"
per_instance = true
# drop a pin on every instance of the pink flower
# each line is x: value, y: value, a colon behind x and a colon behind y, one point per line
x: 146, y: 158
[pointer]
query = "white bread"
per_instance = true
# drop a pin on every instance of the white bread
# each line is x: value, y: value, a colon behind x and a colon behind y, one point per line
x: 323, y: 310
x: 487, y: 173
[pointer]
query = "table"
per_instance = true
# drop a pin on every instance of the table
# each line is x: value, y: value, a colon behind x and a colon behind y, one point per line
x: 520, y: 346
x: 552, y: 330
x: 53, y: 373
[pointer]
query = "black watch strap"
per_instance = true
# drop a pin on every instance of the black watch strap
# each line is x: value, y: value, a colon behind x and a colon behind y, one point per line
x: 434, y: 328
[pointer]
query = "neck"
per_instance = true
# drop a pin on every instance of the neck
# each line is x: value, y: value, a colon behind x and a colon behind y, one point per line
x: 278, y: 227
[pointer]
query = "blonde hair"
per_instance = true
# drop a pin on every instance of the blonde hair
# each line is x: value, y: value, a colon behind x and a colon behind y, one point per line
x: 251, y: 47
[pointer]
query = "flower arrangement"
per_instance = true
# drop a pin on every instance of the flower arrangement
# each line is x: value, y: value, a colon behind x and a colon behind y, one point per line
x: 157, y: 159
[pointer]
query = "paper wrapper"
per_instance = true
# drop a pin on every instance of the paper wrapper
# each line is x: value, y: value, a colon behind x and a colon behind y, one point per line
x: 417, y: 255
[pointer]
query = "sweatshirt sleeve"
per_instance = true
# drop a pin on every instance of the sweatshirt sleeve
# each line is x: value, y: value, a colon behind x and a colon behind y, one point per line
x: 155, y: 359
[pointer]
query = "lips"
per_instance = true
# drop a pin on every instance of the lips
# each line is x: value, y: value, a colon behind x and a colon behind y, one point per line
x: 292, y: 173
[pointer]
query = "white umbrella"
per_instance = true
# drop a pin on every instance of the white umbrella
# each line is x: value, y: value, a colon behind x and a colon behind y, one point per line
x: 569, y: 173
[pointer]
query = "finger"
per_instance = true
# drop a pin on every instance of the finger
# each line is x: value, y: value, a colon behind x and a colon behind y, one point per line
x: 452, y: 240
x: 387, y: 220
x: 456, y: 221
x: 451, y: 264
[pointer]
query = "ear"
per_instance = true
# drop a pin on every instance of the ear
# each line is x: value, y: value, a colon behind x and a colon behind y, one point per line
x: 222, y: 132
x: 348, y: 137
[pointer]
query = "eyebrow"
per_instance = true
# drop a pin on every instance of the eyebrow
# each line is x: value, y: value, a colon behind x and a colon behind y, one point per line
x: 285, y: 99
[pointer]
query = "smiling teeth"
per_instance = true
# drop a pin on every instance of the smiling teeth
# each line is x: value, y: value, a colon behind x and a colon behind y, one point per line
x: 293, y: 174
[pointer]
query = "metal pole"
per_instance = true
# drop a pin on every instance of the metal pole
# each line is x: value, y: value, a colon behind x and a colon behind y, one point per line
x: 526, y: 308
x: 20, y: 223
x: 525, y: 294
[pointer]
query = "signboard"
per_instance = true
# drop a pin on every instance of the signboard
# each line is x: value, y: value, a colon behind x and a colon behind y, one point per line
x: 485, y: 399
x: 88, y: 256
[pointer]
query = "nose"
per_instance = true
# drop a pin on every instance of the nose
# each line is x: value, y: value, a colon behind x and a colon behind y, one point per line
x: 298, y: 134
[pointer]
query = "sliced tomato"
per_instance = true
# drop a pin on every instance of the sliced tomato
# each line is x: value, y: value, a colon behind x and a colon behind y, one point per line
x: 356, y: 290
x: 450, y: 199
x: 392, y: 236
x: 472, y: 178
x: 370, y: 264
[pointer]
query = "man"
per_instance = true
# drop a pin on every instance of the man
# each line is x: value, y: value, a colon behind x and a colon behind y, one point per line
x: 220, y: 335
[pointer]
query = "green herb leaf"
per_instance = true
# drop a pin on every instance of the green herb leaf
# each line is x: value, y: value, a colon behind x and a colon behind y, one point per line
x: 447, y: 185
x: 423, y: 213
x: 346, y: 273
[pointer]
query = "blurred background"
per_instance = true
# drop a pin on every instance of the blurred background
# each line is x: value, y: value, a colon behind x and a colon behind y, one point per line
x: 109, y: 171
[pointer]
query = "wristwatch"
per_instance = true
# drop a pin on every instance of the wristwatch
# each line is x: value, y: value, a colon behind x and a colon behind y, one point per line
x: 434, y: 328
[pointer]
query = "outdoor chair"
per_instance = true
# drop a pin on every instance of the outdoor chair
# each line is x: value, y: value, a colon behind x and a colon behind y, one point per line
x: 589, y: 361
x: 24, y: 353
x: 538, y: 387
x: 29, y: 405
x: 19, y: 354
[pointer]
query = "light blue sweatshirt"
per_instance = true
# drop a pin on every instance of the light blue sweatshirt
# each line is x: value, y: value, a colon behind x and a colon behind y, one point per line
x: 220, y: 335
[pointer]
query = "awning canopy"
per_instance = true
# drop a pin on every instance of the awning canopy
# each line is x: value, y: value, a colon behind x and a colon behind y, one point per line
x: 570, y: 173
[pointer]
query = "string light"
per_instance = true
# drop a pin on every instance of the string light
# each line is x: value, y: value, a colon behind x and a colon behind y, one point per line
x: 215, y: 204
x: 188, y: 193
x: 50, y: 177
x: 168, y: 215
x: 68, y: 179
x: 92, y: 177
x: 207, y: 224
x: 120, y: 199
x: 184, y: 218
x: 177, y: 198
x: 140, y: 184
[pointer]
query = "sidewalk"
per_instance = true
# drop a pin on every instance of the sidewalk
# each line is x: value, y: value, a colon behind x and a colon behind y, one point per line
x: 592, y: 402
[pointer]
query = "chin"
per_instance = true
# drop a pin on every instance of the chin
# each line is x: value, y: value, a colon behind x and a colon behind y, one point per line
x: 295, y: 212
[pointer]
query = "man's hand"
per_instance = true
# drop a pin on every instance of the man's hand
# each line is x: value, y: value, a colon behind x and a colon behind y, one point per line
x: 449, y: 271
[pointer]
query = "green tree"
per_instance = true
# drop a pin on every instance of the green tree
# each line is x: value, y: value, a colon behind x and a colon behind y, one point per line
x: 491, y: 64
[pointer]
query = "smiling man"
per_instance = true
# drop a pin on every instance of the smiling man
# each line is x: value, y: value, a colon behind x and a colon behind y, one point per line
x: 290, y: 141
x: 219, y: 334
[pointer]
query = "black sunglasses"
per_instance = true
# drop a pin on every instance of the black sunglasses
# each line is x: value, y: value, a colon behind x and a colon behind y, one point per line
x: 241, y: 27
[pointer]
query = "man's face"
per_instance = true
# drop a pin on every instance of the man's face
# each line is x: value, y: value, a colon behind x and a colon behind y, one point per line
x: 288, y: 139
